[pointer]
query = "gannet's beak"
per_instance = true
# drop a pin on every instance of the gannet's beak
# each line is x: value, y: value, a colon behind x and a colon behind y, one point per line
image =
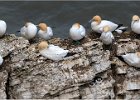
x: 90, y: 21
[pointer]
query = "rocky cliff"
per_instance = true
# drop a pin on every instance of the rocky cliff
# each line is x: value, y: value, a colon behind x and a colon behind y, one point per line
x: 93, y: 71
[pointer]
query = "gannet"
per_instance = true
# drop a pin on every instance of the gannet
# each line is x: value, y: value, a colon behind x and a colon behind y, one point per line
x: 135, y: 24
x: 132, y: 59
x: 28, y: 31
x: 51, y: 51
x: 97, y: 25
x: 77, y: 32
x: 107, y: 36
x: 45, y: 31
x: 3, y: 27
x: 1, y: 60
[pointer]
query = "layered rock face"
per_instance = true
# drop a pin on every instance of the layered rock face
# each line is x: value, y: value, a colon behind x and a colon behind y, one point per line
x: 91, y: 72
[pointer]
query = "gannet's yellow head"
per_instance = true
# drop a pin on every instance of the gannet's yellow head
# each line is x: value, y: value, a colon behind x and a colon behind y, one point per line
x: 97, y: 18
x: 43, y: 45
x: 135, y: 18
x: 43, y: 26
x: 106, y: 28
x: 138, y: 54
x: 76, y: 25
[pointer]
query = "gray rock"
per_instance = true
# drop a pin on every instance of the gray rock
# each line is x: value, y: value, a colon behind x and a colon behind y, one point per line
x: 34, y: 76
x: 3, y: 81
x: 132, y: 95
x: 10, y: 43
x: 127, y: 47
x: 99, y: 90
x: 121, y: 67
x: 31, y: 76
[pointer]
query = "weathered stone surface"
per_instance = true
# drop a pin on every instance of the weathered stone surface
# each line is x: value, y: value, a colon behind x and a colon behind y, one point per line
x: 132, y: 95
x: 3, y: 81
x: 127, y: 47
x: 99, y: 90
x: 10, y: 43
x: 33, y: 76
x: 121, y: 67
x: 128, y: 77
x: 87, y: 74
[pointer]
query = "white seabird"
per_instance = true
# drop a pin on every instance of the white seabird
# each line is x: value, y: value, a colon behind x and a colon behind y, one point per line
x: 1, y: 60
x: 52, y: 52
x: 3, y: 27
x: 132, y: 59
x: 28, y: 31
x: 45, y: 31
x: 107, y: 36
x: 135, y: 24
x: 97, y: 25
x: 77, y: 32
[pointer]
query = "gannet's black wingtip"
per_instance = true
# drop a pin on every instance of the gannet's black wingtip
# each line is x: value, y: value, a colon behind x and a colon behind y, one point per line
x: 123, y: 30
x: 119, y: 25
x: 120, y: 28
x: 121, y: 58
x: 70, y: 54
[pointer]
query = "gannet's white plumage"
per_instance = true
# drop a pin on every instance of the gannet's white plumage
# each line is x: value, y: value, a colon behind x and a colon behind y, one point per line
x: 28, y: 31
x: 135, y: 24
x: 106, y: 36
x: 77, y: 32
x: 3, y: 27
x: 132, y: 59
x: 1, y: 60
x: 97, y: 24
x: 45, y: 32
x: 52, y: 52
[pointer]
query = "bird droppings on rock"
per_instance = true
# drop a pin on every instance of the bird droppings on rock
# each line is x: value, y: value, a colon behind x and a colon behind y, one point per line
x: 32, y: 76
x: 129, y: 47
x: 121, y: 67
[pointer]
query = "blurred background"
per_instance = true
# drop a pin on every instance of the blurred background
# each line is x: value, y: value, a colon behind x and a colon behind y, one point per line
x: 62, y: 14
